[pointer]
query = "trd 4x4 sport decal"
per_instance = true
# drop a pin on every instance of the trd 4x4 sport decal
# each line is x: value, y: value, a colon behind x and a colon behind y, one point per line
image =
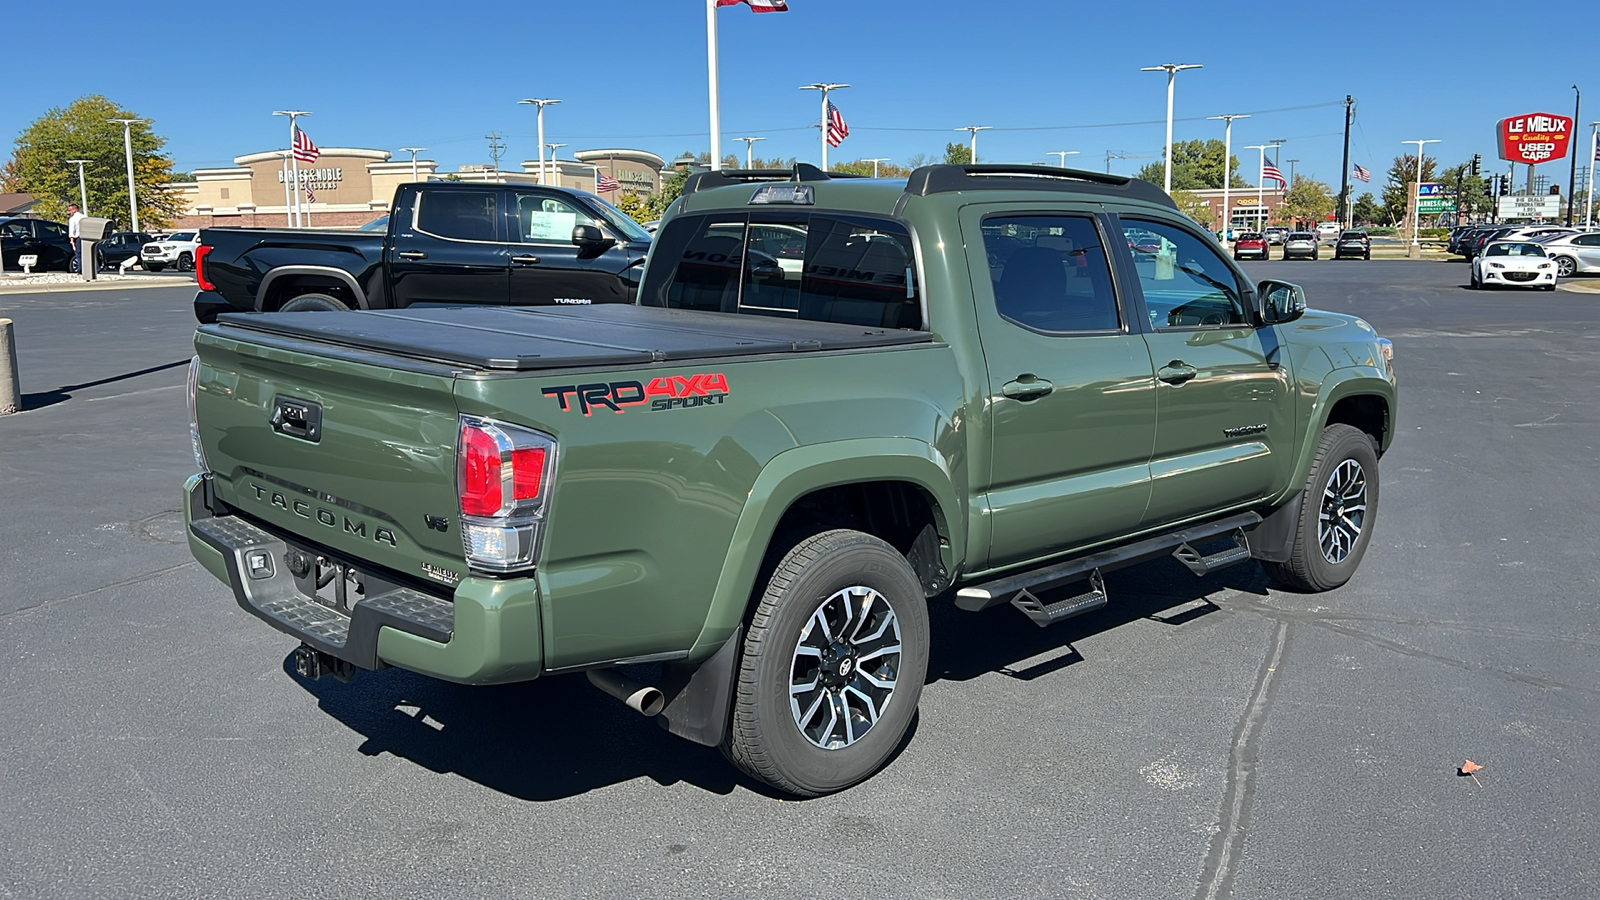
x: 666, y: 392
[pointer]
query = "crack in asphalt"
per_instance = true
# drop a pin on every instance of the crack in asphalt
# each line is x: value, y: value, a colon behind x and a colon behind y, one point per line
x: 45, y: 604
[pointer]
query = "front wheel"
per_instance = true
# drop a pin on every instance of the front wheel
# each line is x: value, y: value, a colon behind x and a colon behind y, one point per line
x: 1566, y: 266
x: 831, y: 667
x: 1338, y: 508
x: 185, y: 262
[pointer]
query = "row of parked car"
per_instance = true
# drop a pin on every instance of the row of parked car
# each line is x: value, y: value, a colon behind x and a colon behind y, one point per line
x: 49, y: 244
x: 1570, y: 251
x: 1301, y: 245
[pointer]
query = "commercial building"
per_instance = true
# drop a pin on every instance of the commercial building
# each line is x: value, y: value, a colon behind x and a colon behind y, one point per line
x: 348, y: 187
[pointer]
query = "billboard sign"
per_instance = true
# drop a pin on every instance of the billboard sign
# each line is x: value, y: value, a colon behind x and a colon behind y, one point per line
x: 1535, y: 138
x: 1536, y: 206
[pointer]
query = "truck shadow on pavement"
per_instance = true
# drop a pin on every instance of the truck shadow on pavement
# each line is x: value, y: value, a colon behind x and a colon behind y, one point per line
x: 559, y: 737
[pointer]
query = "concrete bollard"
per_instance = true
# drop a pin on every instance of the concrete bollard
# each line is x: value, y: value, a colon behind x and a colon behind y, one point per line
x: 8, y: 369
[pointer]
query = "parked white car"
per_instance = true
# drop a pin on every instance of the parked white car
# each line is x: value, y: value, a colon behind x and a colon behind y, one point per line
x: 1513, y: 264
x: 1574, y: 254
x: 1327, y: 231
x: 176, y: 250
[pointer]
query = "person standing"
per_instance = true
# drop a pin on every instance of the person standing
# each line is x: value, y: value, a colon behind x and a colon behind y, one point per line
x: 75, y: 219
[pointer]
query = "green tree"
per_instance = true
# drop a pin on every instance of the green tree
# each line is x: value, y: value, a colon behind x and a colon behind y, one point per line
x: 635, y: 206
x: 671, y: 189
x: 864, y: 167
x: 957, y: 154
x: 81, y: 131
x: 1472, y: 191
x: 1307, y: 201
x: 1196, y: 165
x: 1403, y: 174
x: 1195, y: 207
x: 1366, y: 209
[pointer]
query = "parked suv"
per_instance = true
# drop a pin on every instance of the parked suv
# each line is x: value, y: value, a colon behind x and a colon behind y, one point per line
x: 1252, y: 244
x: 1353, y: 245
x: 118, y: 247
x: 1300, y: 245
x: 732, y: 503
x: 1275, y: 234
x: 176, y: 250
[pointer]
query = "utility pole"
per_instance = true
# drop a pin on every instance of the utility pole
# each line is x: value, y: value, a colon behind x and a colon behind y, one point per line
x: 973, y: 130
x: 1344, y: 174
x: 498, y: 149
x: 875, y: 160
x: 1063, y: 154
x: 127, y: 146
x: 83, y: 192
x: 1291, y: 163
x: 1172, y: 70
x: 824, y: 88
x: 1227, y: 170
x: 543, y: 103
x: 413, y: 151
x: 1572, y: 177
x: 749, y: 144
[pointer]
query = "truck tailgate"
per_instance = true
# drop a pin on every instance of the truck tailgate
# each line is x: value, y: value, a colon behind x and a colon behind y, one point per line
x: 360, y: 459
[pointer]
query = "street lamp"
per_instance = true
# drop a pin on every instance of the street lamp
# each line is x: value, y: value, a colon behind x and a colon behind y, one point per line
x: 875, y: 160
x: 1416, y: 216
x: 1172, y: 70
x: 974, y: 129
x: 541, y: 104
x: 554, y: 169
x: 1063, y: 154
x: 413, y: 151
x: 749, y: 142
x: 824, y: 87
x: 83, y: 192
x: 1227, y: 167
x: 127, y: 146
x: 294, y: 161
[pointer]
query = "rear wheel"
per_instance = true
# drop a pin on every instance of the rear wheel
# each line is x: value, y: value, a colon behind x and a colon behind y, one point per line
x: 1566, y: 266
x: 314, y: 303
x: 1338, y: 508
x: 831, y: 666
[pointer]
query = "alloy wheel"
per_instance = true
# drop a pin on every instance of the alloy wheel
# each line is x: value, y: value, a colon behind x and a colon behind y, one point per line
x: 1344, y: 511
x: 1565, y: 267
x: 845, y: 667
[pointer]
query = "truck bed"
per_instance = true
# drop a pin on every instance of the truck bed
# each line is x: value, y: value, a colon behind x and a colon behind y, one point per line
x: 535, y: 338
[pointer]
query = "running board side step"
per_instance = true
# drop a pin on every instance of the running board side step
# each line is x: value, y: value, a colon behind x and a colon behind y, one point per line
x: 1022, y: 589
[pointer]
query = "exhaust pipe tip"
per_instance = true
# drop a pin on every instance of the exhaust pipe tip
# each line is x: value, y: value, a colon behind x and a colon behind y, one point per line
x: 645, y: 699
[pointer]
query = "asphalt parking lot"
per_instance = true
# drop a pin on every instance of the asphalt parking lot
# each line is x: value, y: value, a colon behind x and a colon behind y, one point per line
x: 1206, y: 738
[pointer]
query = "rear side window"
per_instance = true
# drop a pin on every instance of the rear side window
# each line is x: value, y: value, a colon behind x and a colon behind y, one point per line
x: 819, y: 267
x: 462, y: 215
x: 1050, y: 273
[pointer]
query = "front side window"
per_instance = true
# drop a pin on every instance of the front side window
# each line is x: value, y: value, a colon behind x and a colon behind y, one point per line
x: 1050, y: 273
x: 51, y: 230
x: 813, y: 266
x: 619, y: 221
x: 543, y: 219
x: 462, y: 215
x: 1186, y: 283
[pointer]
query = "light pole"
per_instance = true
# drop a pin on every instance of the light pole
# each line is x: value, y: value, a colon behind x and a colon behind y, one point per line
x: 541, y: 104
x: 875, y: 160
x: 83, y: 192
x: 554, y: 169
x: 127, y: 147
x: 1416, y: 215
x: 749, y: 143
x: 294, y: 161
x: 1261, y: 177
x: 824, y: 88
x: 1227, y: 169
x: 1063, y: 154
x: 288, y: 204
x: 1172, y: 70
x: 1572, y: 176
x: 413, y: 151
x: 1291, y: 163
x: 974, y: 129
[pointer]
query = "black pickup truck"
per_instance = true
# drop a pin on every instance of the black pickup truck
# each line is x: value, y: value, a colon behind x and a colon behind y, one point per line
x: 447, y: 244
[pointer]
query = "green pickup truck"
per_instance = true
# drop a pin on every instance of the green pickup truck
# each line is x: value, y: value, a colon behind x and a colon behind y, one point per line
x: 836, y: 401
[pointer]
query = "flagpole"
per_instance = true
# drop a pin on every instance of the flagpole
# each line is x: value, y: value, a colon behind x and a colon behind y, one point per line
x: 711, y: 75
x: 824, y: 131
x: 294, y: 162
x: 288, y: 212
x: 1594, y: 153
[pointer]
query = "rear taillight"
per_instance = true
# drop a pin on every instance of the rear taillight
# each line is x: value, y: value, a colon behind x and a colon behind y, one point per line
x: 200, y: 254
x: 503, y: 479
x: 194, y: 416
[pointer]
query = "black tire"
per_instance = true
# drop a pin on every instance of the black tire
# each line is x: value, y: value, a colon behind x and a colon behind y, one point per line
x: 765, y: 736
x: 154, y: 267
x: 1367, y: 255
x: 1566, y: 267
x: 185, y: 262
x: 1473, y: 283
x: 1319, y: 560
x: 314, y: 303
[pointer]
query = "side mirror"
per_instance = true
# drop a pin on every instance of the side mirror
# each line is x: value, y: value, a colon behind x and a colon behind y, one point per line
x: 589, y: 239
x: 1279, y: 301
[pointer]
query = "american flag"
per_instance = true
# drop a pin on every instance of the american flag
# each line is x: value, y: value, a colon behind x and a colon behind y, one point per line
x: 837, y: 129
x: 1363, y: 174
x: 1269, y: 172
x: 759, y: 5
x: 603, y: 182
x: 304, y: 150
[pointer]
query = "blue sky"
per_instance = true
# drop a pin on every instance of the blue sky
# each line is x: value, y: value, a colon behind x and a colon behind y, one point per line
x: 1046, y: 75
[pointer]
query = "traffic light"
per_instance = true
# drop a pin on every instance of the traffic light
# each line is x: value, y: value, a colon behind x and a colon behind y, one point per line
x: 1477, y: 162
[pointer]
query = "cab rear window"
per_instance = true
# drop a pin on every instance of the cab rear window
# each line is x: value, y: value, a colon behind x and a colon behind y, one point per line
x: 820, y: 267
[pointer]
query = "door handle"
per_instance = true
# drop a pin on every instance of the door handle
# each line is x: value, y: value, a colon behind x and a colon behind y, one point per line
x: 1027, y: 387
x: 526, y: 260
x: 1176, y: 372
x: 412, y: 254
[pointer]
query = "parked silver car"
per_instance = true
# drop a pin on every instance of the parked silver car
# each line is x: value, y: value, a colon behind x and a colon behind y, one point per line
x: 1574, y: 254
x: 1300, y: 244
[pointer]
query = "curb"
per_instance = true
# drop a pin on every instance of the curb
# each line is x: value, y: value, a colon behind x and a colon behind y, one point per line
x: 23, y: 287
x: 1590, y: 287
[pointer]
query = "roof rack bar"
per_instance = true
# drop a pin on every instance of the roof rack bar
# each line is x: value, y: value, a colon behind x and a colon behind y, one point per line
x: 942, y: 179
x: 724, y: 177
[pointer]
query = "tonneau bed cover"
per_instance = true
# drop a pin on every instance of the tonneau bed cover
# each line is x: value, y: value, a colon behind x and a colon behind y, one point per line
x: 532, y: 338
